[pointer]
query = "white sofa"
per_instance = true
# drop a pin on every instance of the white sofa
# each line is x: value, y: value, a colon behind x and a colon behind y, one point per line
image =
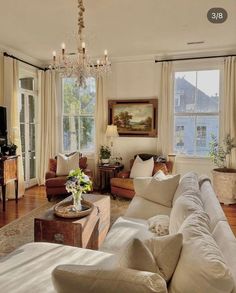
x: 29, y: 268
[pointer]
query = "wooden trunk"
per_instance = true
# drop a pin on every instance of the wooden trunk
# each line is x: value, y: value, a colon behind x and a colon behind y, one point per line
x: 87, y: 232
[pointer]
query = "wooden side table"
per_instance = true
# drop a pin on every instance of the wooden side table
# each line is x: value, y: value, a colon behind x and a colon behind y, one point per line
x: 107, y: 172
x: 8, y: 173
x: 87, y: 232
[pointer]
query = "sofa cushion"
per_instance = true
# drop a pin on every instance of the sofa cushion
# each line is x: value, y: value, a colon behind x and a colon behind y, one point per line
x: 142, y: 168
x: 142, y: 208
x: 125, y: 183
x: 67, y: 163
x: 201, y: 267
x: 122, y: 231
x: 56, y: 182
x: 28, y: 269
x: 184, y: 206
x: 161, y: 189
x: 211, y: 204
x: 166, y: 251
x: 226, y: 241
x: 188, y: 183
x: 86, y: 279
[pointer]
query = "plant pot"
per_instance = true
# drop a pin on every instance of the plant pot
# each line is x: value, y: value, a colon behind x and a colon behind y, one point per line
x: 105, y: 161
x: 224, y: 183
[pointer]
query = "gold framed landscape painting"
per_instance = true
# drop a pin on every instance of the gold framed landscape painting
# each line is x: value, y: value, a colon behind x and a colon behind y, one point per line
x: 134, y: 117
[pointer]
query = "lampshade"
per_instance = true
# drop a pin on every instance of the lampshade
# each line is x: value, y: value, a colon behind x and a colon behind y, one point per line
x: 112, y: 131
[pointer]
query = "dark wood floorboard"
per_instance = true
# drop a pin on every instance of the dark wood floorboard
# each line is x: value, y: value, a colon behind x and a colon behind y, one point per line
x: 36, y: 197
x: 33, y: 198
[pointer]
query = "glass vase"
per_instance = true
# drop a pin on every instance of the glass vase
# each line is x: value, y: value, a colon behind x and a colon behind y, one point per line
x: 77, y: 197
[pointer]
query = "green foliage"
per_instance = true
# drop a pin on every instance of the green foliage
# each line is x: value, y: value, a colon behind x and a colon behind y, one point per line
x: 105, y: 152
x: 78, y: 181
x: 218, y: 153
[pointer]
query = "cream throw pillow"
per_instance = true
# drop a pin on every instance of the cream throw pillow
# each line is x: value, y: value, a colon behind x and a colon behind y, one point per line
x: 159, y: 225
x: 166, y: 251
x: 201, y: 267
x: 67, y: 163
x: 161, y: 190
x: 89, y: 279
x: 158, y: 255
x: 142, y: 168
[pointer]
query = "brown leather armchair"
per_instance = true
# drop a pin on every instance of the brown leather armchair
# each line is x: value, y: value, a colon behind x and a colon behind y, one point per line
x: 123, y: 185
x: 55, y: 185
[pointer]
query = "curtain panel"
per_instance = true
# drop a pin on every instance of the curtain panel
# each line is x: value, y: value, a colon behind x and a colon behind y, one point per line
x: 165, y: 113
x: 229, y: 105
x: 47, y: 139
x: 100, y: 121
x: 11, y: 101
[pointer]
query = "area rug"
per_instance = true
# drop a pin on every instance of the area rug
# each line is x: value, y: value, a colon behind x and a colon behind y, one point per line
x: 21, y: 231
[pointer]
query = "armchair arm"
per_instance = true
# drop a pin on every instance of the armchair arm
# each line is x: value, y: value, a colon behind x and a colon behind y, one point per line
x: 50, y: 174
x: 123, y: 174
x: 88, y: 172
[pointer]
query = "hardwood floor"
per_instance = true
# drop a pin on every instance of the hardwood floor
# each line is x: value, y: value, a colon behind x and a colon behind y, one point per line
x: 35, y: 197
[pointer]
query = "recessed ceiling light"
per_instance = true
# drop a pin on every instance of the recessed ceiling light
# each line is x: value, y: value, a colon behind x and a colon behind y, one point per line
x: 196, y: 43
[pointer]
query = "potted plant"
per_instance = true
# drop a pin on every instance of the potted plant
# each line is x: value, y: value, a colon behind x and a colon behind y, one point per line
x: 12, y: 149
x: 224, y: 178
x: 105, y: 154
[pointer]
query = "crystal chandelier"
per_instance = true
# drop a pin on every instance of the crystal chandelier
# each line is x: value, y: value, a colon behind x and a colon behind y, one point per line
x: 79, y: 65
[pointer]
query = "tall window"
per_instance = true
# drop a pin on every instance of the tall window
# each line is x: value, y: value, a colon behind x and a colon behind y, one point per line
x: 78, y: 116
x: 28, y: 119
x: 196, y: 111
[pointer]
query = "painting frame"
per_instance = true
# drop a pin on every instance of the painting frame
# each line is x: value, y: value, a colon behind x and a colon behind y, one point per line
x: 146, y: 127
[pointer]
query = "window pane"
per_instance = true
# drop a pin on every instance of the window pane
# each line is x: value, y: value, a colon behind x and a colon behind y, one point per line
x: 184, y: 135
x: 87, y: 133
x: 208, y: 91
x: 205, y: 127
x: 71, y: 97
x: 31, y: 109
x: 78, y: 121
x: 22, y: 136
x: 32, y: 137
x: 22, y: 108
x: 71, y: 133
x: 27, y: 83
x: 185, y: 91
x: 32, y: 165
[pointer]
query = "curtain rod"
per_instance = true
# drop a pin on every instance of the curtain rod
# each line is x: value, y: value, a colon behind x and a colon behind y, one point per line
x: 23, y: 61
x: 194, y: 58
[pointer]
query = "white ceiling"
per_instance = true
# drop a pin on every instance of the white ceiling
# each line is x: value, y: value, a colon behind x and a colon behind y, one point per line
x: 124, y: 27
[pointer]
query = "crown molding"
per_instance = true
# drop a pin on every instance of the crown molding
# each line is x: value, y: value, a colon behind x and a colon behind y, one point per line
x: 19, y: 54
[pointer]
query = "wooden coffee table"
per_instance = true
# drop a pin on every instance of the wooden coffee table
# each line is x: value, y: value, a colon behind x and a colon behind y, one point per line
x: 86, y: 232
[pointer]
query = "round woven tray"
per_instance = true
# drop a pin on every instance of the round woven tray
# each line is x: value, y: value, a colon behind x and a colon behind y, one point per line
x: 65, y: 209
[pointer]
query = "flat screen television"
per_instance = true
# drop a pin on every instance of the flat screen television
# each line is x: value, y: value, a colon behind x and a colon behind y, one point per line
x: 3, y: 126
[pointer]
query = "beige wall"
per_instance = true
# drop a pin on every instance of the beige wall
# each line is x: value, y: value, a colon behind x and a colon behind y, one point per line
x: 133, y: 80
x: 141, y: 79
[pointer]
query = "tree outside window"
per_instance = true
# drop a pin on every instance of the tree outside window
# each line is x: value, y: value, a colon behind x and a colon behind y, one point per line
x: 78, y: 116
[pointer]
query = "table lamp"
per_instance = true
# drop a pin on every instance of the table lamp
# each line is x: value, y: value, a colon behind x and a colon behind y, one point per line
x: 111, y: 132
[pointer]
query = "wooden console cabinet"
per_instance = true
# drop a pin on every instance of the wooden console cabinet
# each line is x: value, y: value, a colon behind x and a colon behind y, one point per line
x: 8, y: 173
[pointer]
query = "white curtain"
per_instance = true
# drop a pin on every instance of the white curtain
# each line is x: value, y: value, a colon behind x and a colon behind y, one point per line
x: 11, y: 100
x: 229, y: 104
x: 47, y: 139
x: 101, y: 121
x: 165, y: 110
